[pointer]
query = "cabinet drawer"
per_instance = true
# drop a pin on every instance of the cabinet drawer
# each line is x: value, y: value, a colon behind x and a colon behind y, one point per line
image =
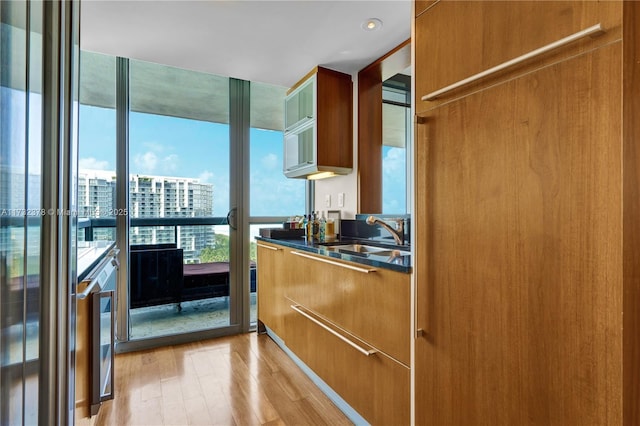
x: 374, y: 306
x: 473, y: 37
x: 271, y: 303
x: 376, y: 386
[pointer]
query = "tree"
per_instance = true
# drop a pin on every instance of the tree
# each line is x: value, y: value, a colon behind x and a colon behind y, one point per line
x: 219, y: 252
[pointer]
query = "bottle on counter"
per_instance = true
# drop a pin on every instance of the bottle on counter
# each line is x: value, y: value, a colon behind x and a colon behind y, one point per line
x: 322, y: 227
x: 316, y: 226
x: 309, y: 230
x: 304, y: 226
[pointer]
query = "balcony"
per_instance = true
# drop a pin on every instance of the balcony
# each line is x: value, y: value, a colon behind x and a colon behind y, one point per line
x: 176, y: 284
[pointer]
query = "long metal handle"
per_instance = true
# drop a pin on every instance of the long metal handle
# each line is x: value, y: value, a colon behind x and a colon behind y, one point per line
x: 423, y: 202
x: 335, y: 333
x: 319, y: 259
x: 269, y: 247
x: 591, y: 31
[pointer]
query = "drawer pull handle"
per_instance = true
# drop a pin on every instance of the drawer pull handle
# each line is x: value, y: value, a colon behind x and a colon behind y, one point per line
x: 269, y: 247
x: 338, y: 335
x: 591, y: 31
x: 319, y: 259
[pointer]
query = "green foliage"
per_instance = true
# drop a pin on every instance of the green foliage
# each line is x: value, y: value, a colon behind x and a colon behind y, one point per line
x: 253, y: 251
x: 16, y: 266
x: 219, y: 251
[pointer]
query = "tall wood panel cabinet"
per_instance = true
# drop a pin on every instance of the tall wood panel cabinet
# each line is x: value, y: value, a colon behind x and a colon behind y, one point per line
x: 527, y: 213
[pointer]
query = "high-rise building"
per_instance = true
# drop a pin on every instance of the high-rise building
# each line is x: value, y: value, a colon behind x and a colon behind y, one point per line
x: 96, y: 193
x: 152, y: 197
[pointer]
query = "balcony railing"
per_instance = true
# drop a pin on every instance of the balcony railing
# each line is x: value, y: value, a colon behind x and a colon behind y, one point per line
x: 89, y: 224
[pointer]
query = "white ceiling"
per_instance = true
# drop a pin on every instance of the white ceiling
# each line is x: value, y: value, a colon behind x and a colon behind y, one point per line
x: 274, y: 42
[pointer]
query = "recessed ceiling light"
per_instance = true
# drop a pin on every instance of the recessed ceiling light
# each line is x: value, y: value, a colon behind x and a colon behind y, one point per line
x: 371, y: 24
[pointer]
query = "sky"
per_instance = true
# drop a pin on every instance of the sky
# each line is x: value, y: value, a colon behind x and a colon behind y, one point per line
x: 177, y: 147
x: 394, y: 180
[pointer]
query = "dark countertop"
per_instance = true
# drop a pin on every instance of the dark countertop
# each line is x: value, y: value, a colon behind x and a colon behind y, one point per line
x: 399, y: 264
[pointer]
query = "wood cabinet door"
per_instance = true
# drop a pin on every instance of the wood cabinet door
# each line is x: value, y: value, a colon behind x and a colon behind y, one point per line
x: 376, y: 386
x: 271, y: 303
x: 374, y: 306
x: 455, y: 40
x: 519, y: 250
x: 334, y: 122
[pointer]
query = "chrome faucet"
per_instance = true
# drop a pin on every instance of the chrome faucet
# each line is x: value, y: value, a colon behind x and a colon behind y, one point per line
x: 397, y: 234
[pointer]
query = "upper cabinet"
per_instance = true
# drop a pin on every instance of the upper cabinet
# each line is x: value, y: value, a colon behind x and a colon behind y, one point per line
x: 456, y: 40
x: 300, y: 105
x: 319, y: 125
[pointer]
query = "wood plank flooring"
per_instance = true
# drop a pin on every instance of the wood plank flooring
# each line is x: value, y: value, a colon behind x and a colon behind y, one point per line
x: 239, y: 380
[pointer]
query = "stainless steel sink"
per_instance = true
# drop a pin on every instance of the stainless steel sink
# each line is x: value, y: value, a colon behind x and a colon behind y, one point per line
x: 366, y: 250
x: 392, y: 253
x: 356, y: 248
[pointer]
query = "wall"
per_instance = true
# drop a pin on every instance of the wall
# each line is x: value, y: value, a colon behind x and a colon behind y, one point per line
x: 347, y: 184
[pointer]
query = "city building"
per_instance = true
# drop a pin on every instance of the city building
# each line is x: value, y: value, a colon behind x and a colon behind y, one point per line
x: 150, y: 197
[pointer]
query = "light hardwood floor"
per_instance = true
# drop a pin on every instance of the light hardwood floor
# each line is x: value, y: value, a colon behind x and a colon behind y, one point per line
x: 239, y: 380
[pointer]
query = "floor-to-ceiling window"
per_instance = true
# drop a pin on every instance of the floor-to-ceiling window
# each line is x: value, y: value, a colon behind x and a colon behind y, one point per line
x: 38, y: 105
x: 273, y: 197
x: 97, y: 155
x: 20, y: 218
x: 184, y: 190
x: 179, y: 163
x: 396, y: 128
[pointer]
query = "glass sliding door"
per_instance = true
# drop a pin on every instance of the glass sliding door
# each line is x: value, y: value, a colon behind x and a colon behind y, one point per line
x: 179, y: 188
x: 20, y: 218
x: 204, y: 157
x: 37, y: 204
x: 273, y: 197
x: 97, y: 154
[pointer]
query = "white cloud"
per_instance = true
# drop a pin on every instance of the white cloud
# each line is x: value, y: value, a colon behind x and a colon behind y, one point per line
x: 394, y: 162
x: 93, y: 164
x: 273, y: 195
x: 270, y: 161
x: 205, y: 176
x: 146, y: 162
x: 152, y: 161
x: 170, y: 163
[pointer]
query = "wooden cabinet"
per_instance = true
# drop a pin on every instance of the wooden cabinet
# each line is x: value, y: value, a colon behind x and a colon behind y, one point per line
x: 370, y: 308
x: 348, y: 322
x: 371, y: 303
x: 271, y: 303
x: 527, y: 238
x: 455, y: 40
x: 376, y: 386
x: 319, y: 125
